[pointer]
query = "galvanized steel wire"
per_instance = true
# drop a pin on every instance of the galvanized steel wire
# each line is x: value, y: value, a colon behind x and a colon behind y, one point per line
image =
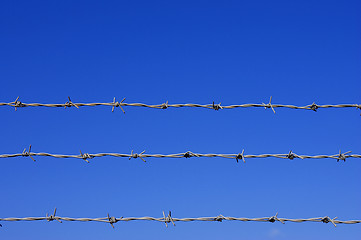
x: 169, y: 219
x: 17, y: 104
x: 239, y: 156
x: 188, y: 154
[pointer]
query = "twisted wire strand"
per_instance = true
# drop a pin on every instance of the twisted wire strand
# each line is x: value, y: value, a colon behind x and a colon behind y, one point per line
x: 169, y: 219
x: 188, y: 154
x: 69, y: 103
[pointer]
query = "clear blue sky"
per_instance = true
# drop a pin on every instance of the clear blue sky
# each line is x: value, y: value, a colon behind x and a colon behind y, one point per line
x: 184, y: 52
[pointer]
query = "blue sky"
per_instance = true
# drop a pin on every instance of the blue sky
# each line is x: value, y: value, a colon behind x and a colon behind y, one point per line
x: 232, y: 52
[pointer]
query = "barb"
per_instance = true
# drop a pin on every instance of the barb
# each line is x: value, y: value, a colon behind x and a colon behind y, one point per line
x: 17, y: 103
x: 85, y: 156
x: 136, y: 155
x: 27, y: 153
x: 238, y: 156
x: 52, y: 217
x: 292, y: 156
x: 70, y: 103
x: 188, y: 154
x: 219, y: 218
x: 217, y: 106
x: 122, y: 104
x: 314, y: 106
x: 275, y: 218
x: 118, y: 104
x: 342, y: 156
x: 269, y: 105
x: 327, y: 220
x: 164, y: 105
x: 112, y: 220
x: 169, y: 219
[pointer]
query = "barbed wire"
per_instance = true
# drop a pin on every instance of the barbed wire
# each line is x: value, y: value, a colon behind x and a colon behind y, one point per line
x: 238, y: 156
x: 17, y: 104
x: 169, y: 219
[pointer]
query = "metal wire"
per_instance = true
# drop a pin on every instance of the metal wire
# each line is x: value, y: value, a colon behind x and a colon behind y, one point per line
x: 142, y: 155
x: 17, y: 104
x: 169, y: 219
